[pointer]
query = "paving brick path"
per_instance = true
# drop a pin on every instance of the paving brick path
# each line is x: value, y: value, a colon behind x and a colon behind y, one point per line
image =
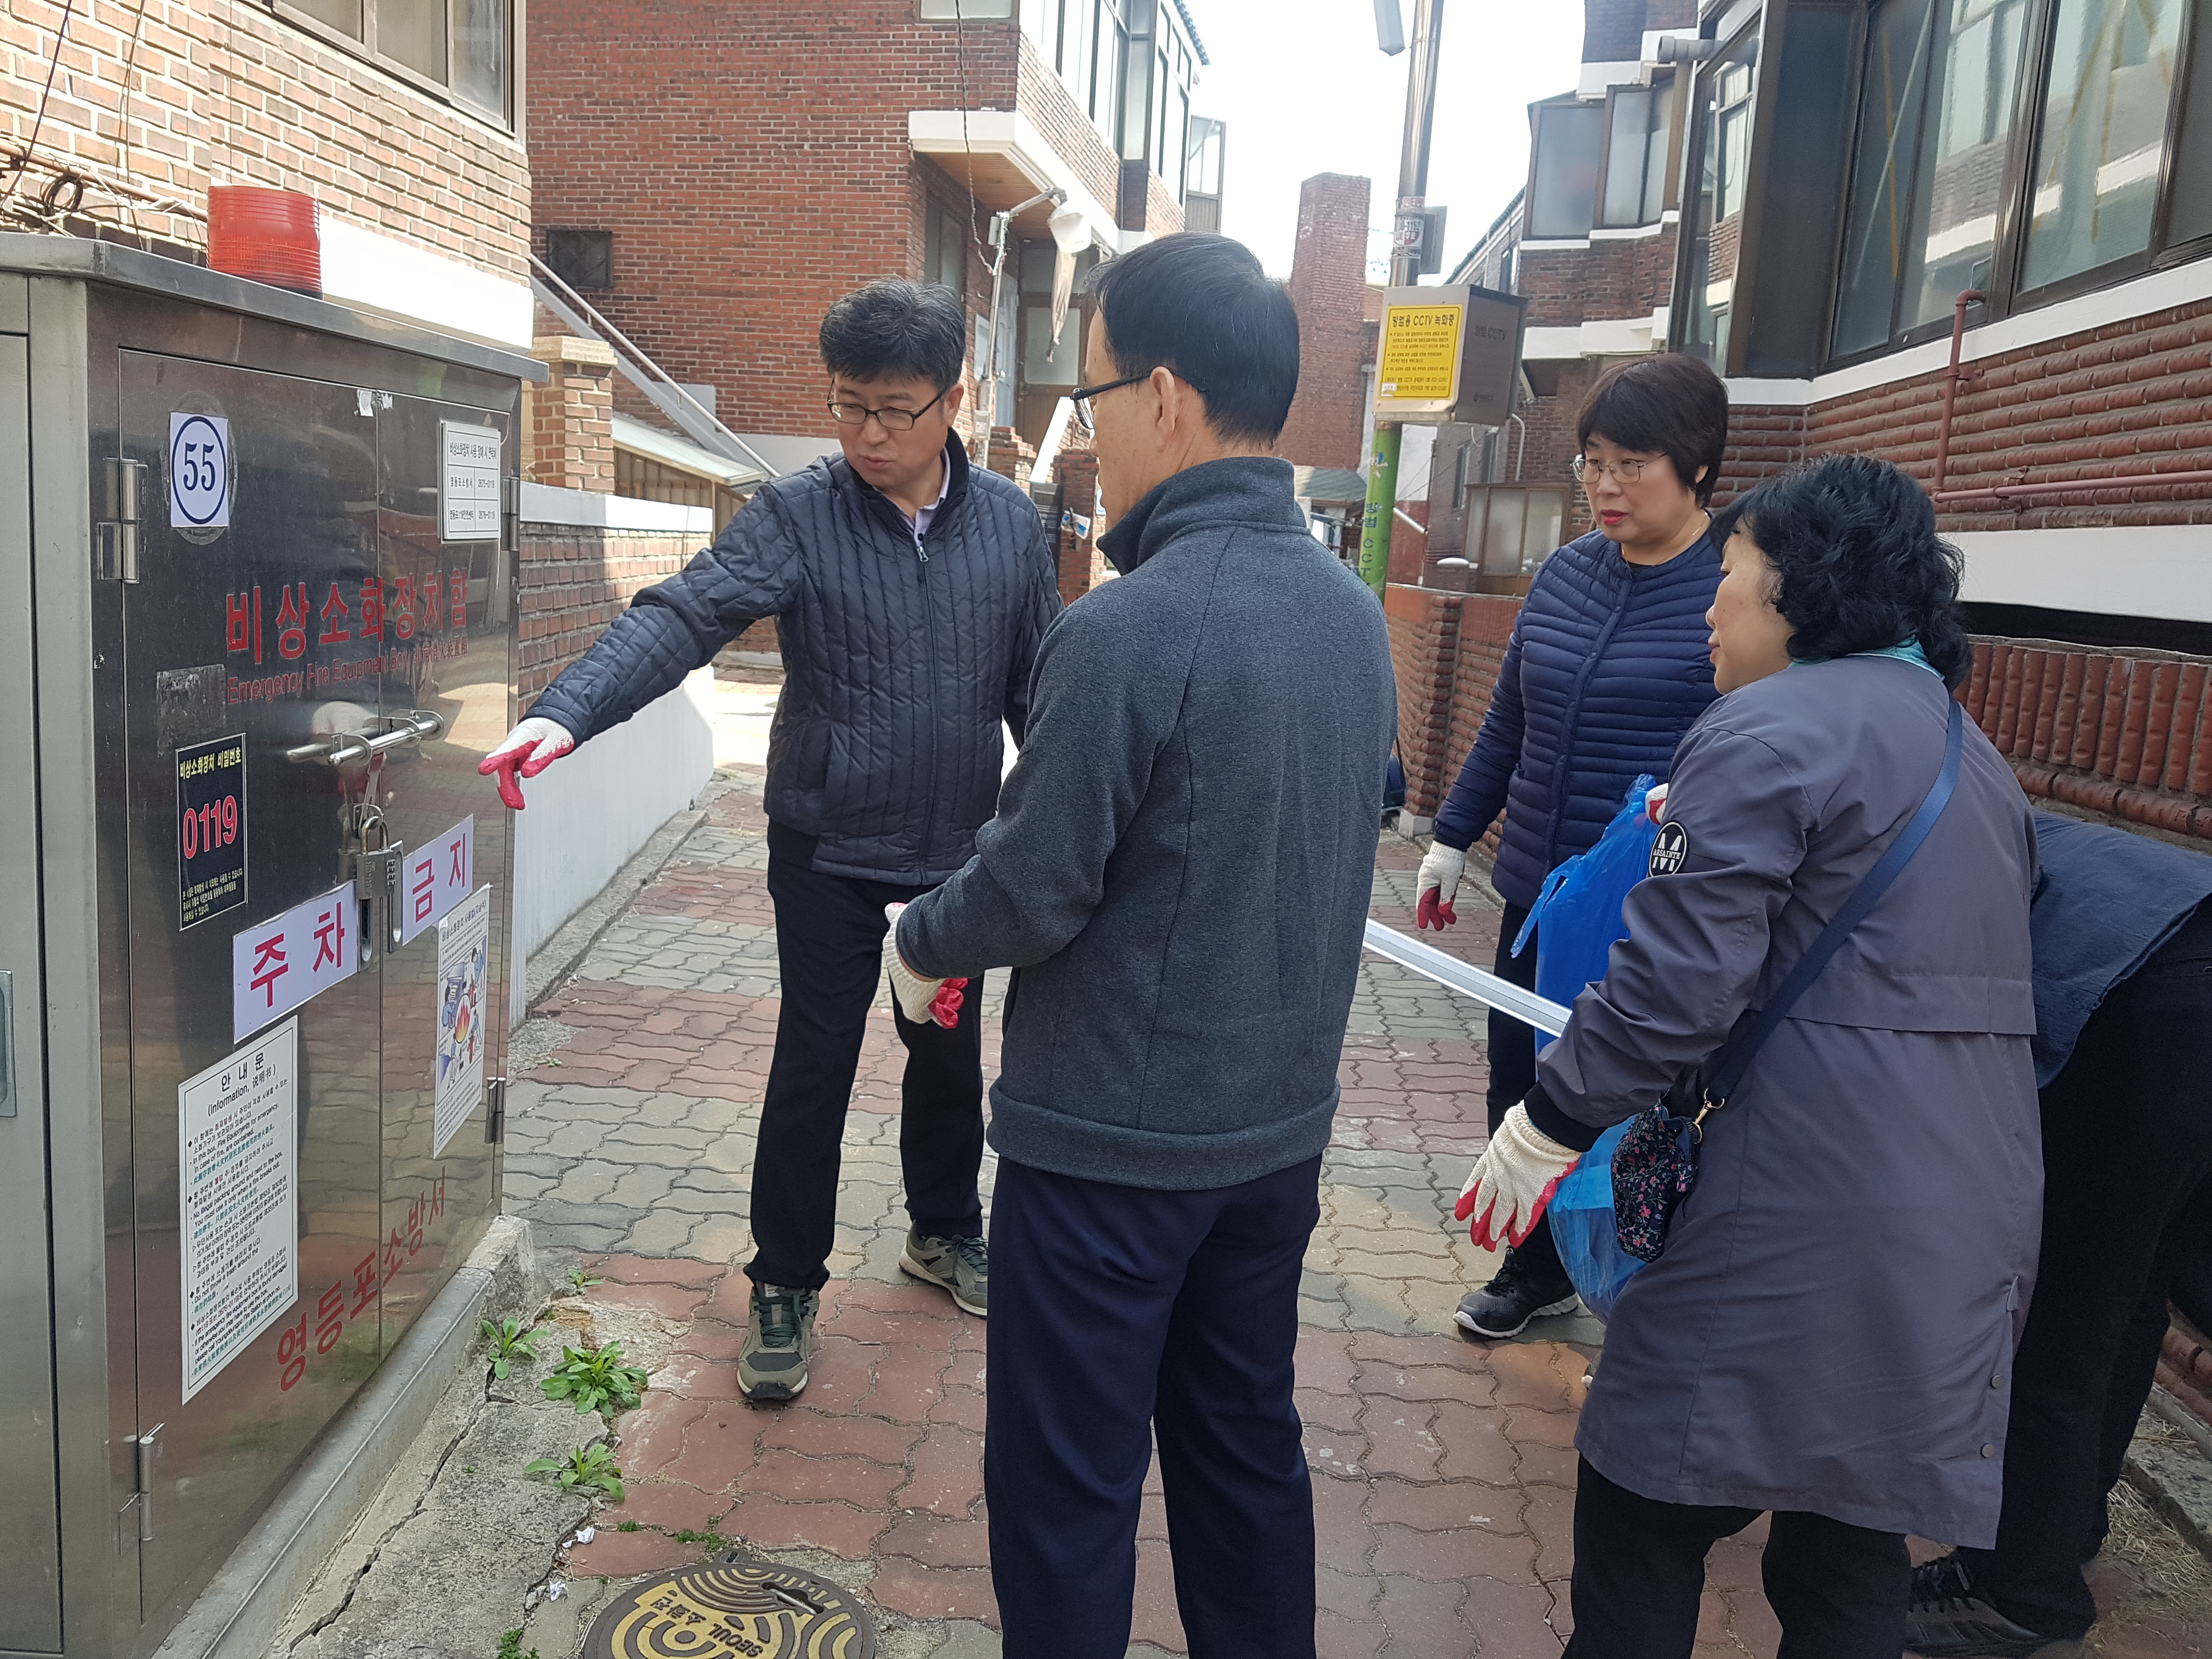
x: 1443, y: 1470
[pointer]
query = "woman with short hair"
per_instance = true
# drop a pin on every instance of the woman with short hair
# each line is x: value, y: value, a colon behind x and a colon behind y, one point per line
x: 1828, y: 1331
x: 1605, y: 672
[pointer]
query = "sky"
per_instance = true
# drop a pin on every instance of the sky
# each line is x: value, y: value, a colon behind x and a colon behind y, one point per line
x: 1305, y: 90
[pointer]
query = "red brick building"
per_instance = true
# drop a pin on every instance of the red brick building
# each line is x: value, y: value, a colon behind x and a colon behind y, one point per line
x: 114, y: 121
x: 1336, y: 341
x: 712, y: 176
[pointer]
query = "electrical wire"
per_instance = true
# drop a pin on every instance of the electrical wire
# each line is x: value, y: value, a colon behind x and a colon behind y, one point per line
x: 61, y: 35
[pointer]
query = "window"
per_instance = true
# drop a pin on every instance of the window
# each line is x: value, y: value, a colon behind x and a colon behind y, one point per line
x: 584, y: 259
x: 1563, y: 169
x: 1936, y: 107
x: 1722, y: 111
x: 2020, y: 148
x: 945, y: 252
x: 1637, y: 138
x: 2095, y: 186
x: 966, y: 11
x: 462, y: 48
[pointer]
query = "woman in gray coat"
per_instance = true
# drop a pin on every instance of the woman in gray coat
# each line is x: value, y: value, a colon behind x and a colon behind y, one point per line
x: 1828, y: 1334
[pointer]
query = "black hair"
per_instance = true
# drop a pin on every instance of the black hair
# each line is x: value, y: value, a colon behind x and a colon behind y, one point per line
x: 1672, y: 405
x: 1858, y: 563
x: 1201, y: 306
x: 895, y: 330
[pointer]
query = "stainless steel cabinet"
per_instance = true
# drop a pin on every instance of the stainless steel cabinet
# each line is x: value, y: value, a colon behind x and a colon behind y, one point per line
x: 256, y: 628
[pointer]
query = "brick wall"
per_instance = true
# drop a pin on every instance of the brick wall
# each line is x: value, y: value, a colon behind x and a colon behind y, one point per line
x: 575, y: 581
x: 1074, y: 135
x: 220, y: 90
x: 743, y: 201
x: 1082, y: 566
x: 568, y: 422
x: 2127, y: 397
x: 2122, y: 736
x: 1328, y: 289
x: 1616, y: 278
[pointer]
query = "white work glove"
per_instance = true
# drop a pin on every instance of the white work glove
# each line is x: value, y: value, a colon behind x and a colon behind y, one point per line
x: 1512, y: 1182
x: 1437, y: 886
x: 1655, y: 804
x: 922, y: 1000
x: 529, y: 750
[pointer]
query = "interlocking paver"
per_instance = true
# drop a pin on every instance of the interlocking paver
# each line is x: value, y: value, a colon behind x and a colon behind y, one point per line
x: 1443, y: 1471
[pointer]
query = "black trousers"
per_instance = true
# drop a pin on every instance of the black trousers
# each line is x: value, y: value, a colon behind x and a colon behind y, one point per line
x: 1512, y: 1074
x: 2127, y: 1143
x: 1119, y: 1315
x: 828, y: 950
x: 1840, y: 1592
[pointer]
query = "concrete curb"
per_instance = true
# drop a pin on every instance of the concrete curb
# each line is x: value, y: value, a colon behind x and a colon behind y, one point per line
x: 239, y: 1614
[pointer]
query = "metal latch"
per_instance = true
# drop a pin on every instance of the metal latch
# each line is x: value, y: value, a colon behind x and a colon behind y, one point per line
x: 115, y: 538
x: 148, y: 1454
x: 7, y: 1043
x: 357, y: 748
x: 495, y: 1111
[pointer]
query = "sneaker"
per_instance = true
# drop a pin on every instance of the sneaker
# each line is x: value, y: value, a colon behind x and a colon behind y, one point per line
x: 962, y: 1266
x: 778, y: 1335
x: 1949, y: 1617
x: 1505, y: 1306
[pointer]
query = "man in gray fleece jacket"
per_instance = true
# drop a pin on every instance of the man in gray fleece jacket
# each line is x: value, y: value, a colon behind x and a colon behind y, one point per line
x: 1179, y: 874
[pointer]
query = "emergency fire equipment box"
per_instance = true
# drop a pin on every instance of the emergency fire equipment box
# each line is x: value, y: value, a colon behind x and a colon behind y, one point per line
x: 256, y: 628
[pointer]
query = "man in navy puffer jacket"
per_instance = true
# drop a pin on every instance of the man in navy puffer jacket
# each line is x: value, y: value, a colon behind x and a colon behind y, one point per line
x: 1607, y: 670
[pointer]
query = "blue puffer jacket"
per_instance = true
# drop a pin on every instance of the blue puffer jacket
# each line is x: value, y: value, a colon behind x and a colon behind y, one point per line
x: 1606, y: 671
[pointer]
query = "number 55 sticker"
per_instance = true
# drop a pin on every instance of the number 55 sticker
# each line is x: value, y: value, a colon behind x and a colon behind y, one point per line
x: 199, y: 471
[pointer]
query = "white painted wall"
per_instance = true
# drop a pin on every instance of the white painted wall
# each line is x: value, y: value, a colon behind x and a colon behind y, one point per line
x: 2119, y: 570
x: 590, y: 810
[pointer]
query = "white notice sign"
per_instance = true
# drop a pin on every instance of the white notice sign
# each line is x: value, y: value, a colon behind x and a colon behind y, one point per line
x: 275, y: 967
x: 435, y: 877
x: 238, y: 1138
x: 468, y: 483
x: 464, y: 965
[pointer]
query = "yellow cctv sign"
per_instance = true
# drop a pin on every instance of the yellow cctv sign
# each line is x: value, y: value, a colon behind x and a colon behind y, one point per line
x: 1448, y: 354
x: 1421, y: 352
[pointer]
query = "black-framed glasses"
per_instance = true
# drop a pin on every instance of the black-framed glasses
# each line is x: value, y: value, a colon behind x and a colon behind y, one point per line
x: 1625, y: 471
x: 893, y: 420
x: 1082, y: 395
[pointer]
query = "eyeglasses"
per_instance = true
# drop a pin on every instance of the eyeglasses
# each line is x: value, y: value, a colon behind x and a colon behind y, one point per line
x: 893, y: 420
x: 1082, y: 395
x: 1627, y: 471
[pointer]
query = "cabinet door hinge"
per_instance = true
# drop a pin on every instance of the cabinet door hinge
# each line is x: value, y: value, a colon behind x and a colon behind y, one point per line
x: 495, y: 1111
x: 115, y: 538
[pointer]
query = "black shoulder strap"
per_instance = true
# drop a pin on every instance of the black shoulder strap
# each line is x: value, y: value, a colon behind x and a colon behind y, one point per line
x: 1734, y: 1059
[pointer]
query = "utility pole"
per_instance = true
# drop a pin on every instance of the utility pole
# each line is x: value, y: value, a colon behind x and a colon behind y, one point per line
x: 1405, y: 251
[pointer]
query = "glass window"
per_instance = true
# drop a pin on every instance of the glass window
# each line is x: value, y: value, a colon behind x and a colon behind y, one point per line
x: 1563, y: 188
x: 344, y: 15
x: 413, y: 32
x: 480, y: 54
x: 1922, y: 222
x: 2190, y: 216
x: 2093, y: 189
x: 1636, y: 156
x: 1721, y: 110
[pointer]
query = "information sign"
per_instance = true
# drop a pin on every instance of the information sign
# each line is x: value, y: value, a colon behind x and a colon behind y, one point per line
x: 463, y: 966
x: 468, y: 483
x: 237, y: 1183
x: 210, y: 829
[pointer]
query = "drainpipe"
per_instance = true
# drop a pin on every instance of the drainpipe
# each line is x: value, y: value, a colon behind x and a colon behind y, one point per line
x: 2017, y: 494
x: 1952, y: 376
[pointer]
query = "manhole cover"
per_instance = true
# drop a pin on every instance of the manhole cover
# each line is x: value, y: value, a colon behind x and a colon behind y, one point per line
x: 736, y: 1605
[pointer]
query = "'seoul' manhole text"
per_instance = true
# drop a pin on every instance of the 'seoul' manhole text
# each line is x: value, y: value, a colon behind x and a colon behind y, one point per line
x: 738, y: 1607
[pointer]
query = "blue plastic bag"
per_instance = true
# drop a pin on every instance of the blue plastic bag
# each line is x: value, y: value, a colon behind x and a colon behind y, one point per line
x: 1584, y: 1229
x: 1577, y: 915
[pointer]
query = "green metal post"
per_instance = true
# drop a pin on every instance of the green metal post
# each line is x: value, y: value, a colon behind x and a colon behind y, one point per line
x: 1382, y: 507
